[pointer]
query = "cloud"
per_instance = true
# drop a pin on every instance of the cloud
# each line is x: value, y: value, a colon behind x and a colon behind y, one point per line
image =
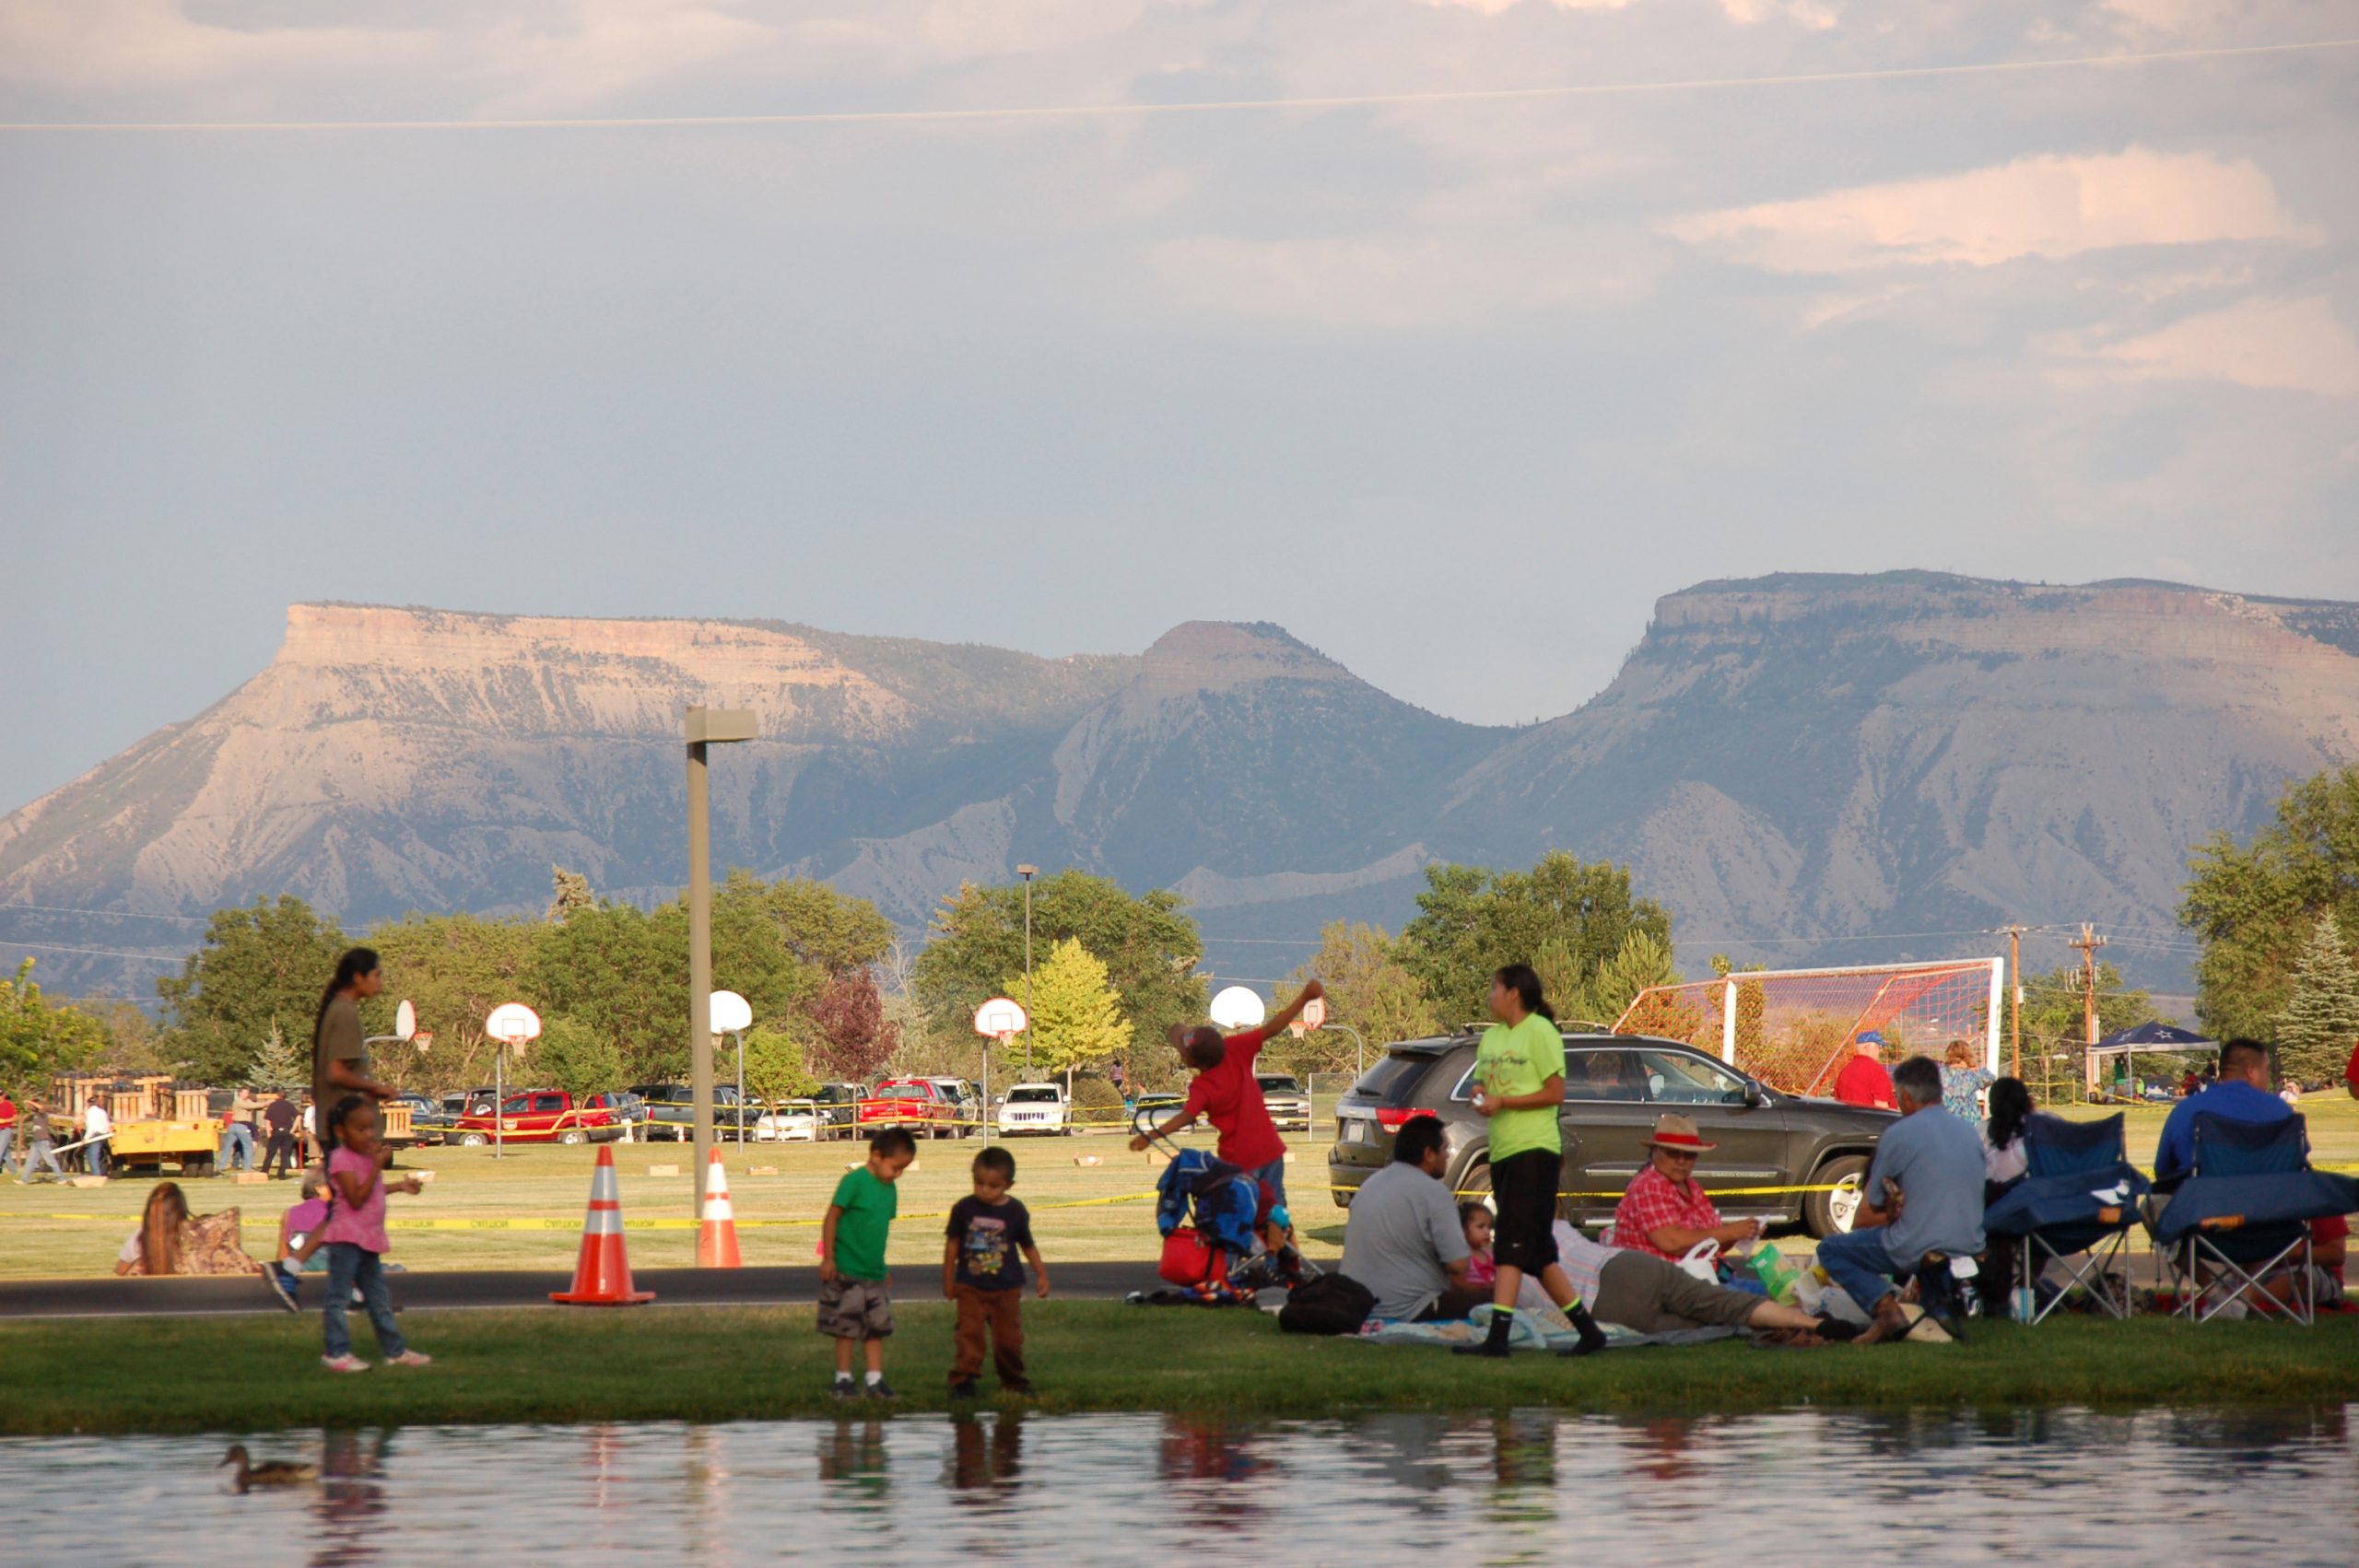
x: 2047, y: 206
x: 2291, y: 345
x: 1386, y: 282
x: 87, y: 45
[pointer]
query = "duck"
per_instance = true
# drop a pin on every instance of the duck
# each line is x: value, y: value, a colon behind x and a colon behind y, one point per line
x: 269, y: 1472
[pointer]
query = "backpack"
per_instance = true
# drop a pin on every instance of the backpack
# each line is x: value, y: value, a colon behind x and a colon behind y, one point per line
x: 1332, y: 1303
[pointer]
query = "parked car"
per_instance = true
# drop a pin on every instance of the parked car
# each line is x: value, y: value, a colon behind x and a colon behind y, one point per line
x: 967, y: 1101
x: 792, y: 1121
x: 624, y: 1107
x: 431, y: 1120
x: 538, y: 1116
x: 840, y: 1108
x: 1038, y: 1108
x: 1614, y: 1087
x: 917, y: 1104
x: 1154, y: 1109
x: 1289, y: 1103
x: 670, y: 1111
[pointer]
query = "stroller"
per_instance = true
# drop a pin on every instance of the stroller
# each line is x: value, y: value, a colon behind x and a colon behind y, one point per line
x: 1204, y: 1210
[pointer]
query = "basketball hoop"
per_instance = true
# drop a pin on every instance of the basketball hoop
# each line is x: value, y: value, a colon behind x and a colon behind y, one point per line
x: 423, y: 1040
x: 1313, y: 1015
x: 1000, y: 1019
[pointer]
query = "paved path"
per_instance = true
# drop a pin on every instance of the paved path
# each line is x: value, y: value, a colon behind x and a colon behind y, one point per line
x: 436, y: 1289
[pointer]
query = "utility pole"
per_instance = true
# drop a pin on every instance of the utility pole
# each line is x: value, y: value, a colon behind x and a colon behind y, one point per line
x: 1028, y: 874
x: 2014, y: 935
x: 2088, y: 943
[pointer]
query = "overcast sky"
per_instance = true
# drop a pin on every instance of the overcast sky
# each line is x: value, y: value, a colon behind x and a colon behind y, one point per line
x: 1453, y: 390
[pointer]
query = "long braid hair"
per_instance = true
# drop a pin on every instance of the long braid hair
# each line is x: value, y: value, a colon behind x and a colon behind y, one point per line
x: 1524, y: 980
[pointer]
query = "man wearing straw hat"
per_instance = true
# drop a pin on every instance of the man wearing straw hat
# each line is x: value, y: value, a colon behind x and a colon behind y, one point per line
x: 1665, y: 1211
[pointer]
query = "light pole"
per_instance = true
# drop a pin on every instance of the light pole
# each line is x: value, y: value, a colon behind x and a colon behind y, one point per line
x: 1028, y: 874
x: 1361, y: 1045
x: 705, y: 726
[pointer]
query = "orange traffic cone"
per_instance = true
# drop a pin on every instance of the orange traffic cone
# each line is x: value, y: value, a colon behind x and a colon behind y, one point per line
x: 717, y: 1238
x: 603, y: 1276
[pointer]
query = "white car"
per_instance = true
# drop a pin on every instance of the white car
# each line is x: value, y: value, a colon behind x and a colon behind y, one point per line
x: 796, y: 1122
x: 1035, y: 1108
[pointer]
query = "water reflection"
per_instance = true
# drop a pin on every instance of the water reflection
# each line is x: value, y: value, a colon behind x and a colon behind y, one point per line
x: 852, y: 1458
x: 986, y: 1457
x: 350, y: 1504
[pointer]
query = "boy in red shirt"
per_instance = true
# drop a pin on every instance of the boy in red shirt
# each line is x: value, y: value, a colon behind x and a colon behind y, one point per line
x: 1225, y: 1092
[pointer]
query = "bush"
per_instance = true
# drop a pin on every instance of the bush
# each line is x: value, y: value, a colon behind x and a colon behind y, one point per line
x: 1095, y: 1095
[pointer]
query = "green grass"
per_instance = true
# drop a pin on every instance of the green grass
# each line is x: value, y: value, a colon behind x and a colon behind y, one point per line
x: 189, y: 1374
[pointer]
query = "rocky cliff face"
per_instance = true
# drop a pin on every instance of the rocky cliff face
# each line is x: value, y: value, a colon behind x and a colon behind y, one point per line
x: 1819, y: 759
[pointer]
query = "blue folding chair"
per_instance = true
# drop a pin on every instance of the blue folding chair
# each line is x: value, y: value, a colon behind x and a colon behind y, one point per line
x: 2079, y: 1201
x: 2244, y: 1210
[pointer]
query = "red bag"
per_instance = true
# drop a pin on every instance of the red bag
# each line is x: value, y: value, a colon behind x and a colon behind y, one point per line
x: 1187, y: 1258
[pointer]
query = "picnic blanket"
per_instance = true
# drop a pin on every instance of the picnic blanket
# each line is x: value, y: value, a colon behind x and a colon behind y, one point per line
x: 1532, y: 1331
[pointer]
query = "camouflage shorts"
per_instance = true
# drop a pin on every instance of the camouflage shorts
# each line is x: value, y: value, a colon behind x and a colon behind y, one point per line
x: 855, y: 1309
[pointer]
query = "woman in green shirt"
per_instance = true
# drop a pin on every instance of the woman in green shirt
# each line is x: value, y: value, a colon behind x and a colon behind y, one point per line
x: 1518, y: 1083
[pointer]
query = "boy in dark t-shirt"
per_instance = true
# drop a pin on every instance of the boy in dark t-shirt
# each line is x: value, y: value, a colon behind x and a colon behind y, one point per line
x: 980, y: 1272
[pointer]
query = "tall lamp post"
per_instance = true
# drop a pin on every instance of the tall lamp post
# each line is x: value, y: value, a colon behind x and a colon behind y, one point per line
x: 1028, y: 874
x: 705, y: 726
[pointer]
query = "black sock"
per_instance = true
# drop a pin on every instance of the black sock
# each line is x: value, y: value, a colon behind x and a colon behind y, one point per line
x: 1502, y: 1325
x: 1592, y: 1337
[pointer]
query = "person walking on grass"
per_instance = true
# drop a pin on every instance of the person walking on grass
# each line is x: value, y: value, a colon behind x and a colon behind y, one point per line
x: 981, y: 1271
x: 41, y: 1144
x: 354, y: 1238
x: 339, y: 1046
x: 1226, y: 1093
x: 1518, y: 1083
x: 855, y: 1291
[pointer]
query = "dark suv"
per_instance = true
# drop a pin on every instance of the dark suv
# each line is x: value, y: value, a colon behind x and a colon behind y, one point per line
x: 1615, y: 1088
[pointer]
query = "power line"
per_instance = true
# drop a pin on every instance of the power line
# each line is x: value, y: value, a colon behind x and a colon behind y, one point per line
x: 95, y: 952
x: 1211, y: 106
x: 119, y: 914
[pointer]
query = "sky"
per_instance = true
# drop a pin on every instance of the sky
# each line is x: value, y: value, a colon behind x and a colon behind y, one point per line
x: 1451, y: 384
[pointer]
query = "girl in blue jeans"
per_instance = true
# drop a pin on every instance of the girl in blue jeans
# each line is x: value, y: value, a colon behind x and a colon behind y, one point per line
x: 355, y: 1238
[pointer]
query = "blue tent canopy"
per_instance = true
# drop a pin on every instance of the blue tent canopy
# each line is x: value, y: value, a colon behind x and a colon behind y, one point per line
x: 2154, y: 1037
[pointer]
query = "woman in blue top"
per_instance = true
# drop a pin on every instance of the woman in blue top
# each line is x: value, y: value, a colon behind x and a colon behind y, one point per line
x: 1961, y: 1080
x: 1518, y: 1083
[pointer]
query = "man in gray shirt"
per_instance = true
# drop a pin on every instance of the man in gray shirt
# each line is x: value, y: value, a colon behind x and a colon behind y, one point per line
x: 1923, y: 1194
x: 1401, y: 1238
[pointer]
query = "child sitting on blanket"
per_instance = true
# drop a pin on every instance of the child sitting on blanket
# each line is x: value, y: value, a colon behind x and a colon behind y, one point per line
x: 1475, y: 1219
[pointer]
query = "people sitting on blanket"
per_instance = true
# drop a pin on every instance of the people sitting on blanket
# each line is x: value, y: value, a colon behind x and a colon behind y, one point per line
x: 1665, y: 1209
x: 2243, y: 1093
x: 1923, y: 1197
x: 155, y: 1246
x: 1645, y: 1292
x: 1403, y: 1237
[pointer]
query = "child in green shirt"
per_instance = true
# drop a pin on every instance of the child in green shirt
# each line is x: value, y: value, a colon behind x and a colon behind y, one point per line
x: 855, y: 1293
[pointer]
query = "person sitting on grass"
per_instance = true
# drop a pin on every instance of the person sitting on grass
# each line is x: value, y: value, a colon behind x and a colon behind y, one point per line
x: 982, y: 1273
x: 1225, y: 1092
x: 1403, y: 1238
x: 299, y: 1240
x: 355, y: 1236
x: 855, y: 1292
x: 1647, y: 1292
x: 1665, y: 1210
x: 1923, y: 1194
x: 1474, y: 1224
x: 155, y: 1246
x: 2243, y: 1093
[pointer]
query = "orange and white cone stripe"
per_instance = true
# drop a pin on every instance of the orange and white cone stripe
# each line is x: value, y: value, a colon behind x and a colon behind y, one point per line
x: 717, y: 1238
x: 602, y: 1278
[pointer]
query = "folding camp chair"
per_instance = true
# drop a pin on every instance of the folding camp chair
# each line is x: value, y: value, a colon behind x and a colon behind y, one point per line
x: 2244, y: 1210
x: 2078, y: 1199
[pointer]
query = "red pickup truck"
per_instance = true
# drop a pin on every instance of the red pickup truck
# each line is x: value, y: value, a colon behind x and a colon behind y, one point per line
x: 917, y: 1104
x: 538, y: 1116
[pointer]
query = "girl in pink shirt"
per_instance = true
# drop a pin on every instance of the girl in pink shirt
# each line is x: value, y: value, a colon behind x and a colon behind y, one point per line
x: 355, y: 1238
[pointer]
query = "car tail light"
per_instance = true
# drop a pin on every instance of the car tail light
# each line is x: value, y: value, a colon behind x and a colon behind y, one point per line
x: 1392, y: 1118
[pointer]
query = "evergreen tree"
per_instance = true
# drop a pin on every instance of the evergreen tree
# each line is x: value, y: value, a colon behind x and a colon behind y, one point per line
x: 1643, y: 959
x: 263, y: 966
x: 2251, y: 904
x: 280, y: 1063
x: 569, y: 892
x: 2319, y: 1023
x: 1077, y: 1013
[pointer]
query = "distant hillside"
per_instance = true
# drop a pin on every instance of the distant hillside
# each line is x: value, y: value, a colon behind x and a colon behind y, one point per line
x: 1816, y: 758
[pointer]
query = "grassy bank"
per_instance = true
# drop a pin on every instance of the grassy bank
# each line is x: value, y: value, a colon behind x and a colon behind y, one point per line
x: 723, y: 1364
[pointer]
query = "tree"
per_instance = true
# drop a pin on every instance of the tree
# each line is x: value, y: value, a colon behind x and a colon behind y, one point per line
x: 2051, y: 1014
x: 1644, y: 959
x: 853, y: 1038
x: 1472, y: 919
x: 569, y: 892
x: 1077, y: 1013
x: 38, y: 1041
x: 261, y: 966
x: 2252, y: 905
x: 280, y: 1063
x: 454, y: 969
x: 1149, y: 947
x: 1367, y: 989
x: 2319, y: 1023
x: 775, y: 1065
x: 573, y: 1056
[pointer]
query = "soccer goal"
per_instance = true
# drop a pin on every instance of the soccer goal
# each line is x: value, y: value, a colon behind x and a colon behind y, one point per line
x: 1794, y: 1028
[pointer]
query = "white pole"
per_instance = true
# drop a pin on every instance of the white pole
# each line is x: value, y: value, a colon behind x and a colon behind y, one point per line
x: 1997, y: 991
x: 1728, y: 1023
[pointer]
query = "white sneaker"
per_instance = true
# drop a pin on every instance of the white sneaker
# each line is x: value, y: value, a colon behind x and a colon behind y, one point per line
x: 346, y: 1363
x: 410, y: 1358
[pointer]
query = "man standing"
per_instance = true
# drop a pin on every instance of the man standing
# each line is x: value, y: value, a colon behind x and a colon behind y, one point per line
x: 1401, y: 1238
x: 2243, y: 1093
x: 1923, y: 1194
x: 97, y: 1128
x: 1863, y: 1080
x: 279, y: 1117
x: 237, y: 1133
x: 9, y: 1126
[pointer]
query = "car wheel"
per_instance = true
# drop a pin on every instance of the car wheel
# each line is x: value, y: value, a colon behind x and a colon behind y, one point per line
x: 1475, y: 1186
x: 1830, y: 1213
x: 472, y: 1141
x: 573, y: 1135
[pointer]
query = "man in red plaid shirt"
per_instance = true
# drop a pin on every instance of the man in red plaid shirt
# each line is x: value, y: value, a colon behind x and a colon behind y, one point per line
x: 1664, y: 1211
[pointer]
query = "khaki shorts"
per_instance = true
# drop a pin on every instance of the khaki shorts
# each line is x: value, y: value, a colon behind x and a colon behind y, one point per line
x: 855, y: 1309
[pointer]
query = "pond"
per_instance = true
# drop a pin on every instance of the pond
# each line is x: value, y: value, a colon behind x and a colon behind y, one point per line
x: 1816, y: 1488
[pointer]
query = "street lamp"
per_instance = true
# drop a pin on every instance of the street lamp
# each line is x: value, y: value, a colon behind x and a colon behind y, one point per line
x: 1361, y: 1045
x: 705, y: 726
x: 1028, y: 874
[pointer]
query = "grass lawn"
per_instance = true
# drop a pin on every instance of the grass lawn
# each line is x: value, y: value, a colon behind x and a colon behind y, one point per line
x: 685, y: 1364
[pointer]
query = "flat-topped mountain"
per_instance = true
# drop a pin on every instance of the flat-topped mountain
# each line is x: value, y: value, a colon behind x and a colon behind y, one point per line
x: 1817, y: 757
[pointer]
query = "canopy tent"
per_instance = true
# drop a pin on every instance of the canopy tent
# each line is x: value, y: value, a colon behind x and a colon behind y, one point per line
x: 2154, y: 1039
